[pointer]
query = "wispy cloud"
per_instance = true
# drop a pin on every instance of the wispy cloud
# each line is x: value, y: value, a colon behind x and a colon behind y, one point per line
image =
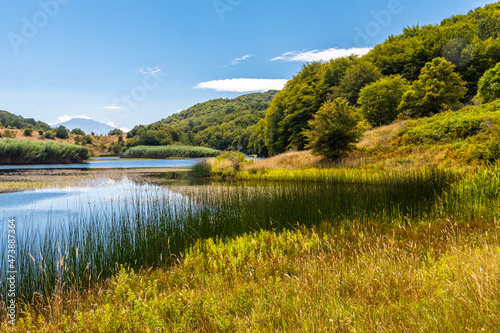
x: 110, y: 107
x: 150, y: 71
x: 236, y: 61
x: 321, y: 55
x: 243, y: 85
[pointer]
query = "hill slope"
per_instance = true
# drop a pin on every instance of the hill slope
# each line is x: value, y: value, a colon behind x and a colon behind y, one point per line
x: 220, y: 124
x: 8, y: 119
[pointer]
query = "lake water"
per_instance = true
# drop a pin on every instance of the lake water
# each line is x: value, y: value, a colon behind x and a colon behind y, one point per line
x: 113, y: 163
x: 59, y: 205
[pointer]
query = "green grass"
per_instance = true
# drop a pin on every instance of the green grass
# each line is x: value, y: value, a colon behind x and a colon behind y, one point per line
x: 161, y: 152
x: 32, y: 152
x: 404, y: 250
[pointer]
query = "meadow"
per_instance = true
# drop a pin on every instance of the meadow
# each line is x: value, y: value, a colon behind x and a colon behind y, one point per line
x: 160, y: 152
x: 395, y: 251
x: 33, y: 152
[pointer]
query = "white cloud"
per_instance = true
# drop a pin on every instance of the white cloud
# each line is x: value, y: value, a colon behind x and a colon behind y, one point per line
x: 321, y: 55
x: 66, y: 118
x: 236, y: 61
x: 125, y: 129
x: 112, y: 124
x: 150, y: 71
x: 110, y: 107
x: 243, y: 85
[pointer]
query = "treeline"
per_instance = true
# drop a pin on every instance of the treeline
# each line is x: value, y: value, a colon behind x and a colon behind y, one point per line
x: 34, y: 152
x: 221, y: 124
x: 419, y: 73
x: 9, y: 120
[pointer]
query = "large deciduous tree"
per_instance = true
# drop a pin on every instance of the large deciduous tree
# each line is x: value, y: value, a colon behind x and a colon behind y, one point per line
x: 380, y: 100
x: 489, y: 84
x: 334, y: 129
x: 438, y: 87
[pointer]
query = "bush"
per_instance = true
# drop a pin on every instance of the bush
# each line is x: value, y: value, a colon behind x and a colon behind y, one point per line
x: 380, y: 100
x: 334, y: 129
x: 62, y: 132
x: 489, y: 85
x: 9, y: 134
x: 437, y: 87
x: 28, y: 131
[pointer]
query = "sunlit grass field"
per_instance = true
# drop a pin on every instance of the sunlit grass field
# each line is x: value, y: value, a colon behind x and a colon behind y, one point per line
x: 400, y: 252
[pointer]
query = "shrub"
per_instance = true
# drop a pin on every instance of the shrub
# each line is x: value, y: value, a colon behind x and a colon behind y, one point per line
x: 380, y: 100
x: 437, y: 87
x: 489, y: 85
x: 334, y: 129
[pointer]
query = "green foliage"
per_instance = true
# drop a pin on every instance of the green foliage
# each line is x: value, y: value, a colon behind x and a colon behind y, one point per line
x: 28, y: 131
x: 77, y: 131
x: 88, y: 139
x: 202, y: 169
x: 356, y: 77
x: 32, y: 152
x: 62, y: 132
x: 334, y: 129
x: 380, y: 100
x: 222, y: 124
x: 115, y: 132
x: 228, y: 164
x: 489, y: 84
x: 161, y: 152
x: 438, y: 87
x: 8, y: 119
x: 8, y: 134
x: 50, y: 135
x: 288, y: 114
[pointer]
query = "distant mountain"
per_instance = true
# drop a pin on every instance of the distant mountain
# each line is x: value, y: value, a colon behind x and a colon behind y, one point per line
x: 87, y: 125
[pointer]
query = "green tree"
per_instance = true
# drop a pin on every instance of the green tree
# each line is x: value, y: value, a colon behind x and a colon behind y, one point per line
x: 356, y: 77
x: 335, y: 128
x: 28, y: 131
x: 62, y: 132
x: 380, y: 100
x: 489, y: 85
x: 77, y: 131
x: 437, y: 87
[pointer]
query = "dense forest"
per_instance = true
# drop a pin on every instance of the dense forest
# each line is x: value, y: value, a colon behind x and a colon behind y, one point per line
x: 223, y: 124
x: 419, y: 73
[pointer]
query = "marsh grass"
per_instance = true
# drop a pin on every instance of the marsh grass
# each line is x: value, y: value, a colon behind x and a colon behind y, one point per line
x: 358, y: 219
x: 33, y: 152
x: 161, y: 152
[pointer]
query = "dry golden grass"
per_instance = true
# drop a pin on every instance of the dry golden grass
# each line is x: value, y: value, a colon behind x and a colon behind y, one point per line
x: 293, y: 160
x: 97, y: 148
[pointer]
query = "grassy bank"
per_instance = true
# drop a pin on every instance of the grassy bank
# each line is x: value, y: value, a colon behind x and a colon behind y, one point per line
x: 160, y: 152
x: 401, y: 252
x: 365, y: 279
x: 31, y: 152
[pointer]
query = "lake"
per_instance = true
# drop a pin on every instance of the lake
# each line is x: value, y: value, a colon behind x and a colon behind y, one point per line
x: 113, y: 163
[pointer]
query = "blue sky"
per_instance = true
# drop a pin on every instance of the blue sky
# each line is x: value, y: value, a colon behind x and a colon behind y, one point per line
x: 130, y: 62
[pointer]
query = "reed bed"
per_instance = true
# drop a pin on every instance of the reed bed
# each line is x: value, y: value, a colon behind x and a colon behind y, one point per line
x: 31, y: 152
x: 156, y: 232
x: 161, y: 152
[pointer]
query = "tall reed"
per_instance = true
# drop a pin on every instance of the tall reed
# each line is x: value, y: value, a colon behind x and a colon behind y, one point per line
x: 154, y: 229
x: 160, y: 152
x: 33, y: 152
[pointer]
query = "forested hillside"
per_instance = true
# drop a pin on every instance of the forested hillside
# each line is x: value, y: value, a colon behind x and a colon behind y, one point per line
x: 423, y: 71
x: 221, y: 124
x: 8, y: 119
